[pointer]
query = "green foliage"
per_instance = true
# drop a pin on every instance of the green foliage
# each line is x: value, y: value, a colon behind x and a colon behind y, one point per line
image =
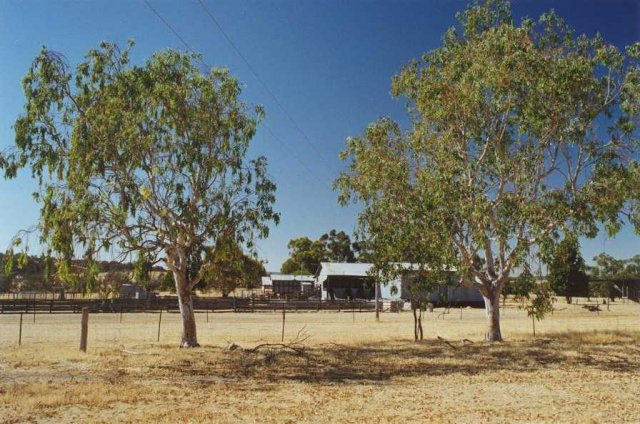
x: 541, y: 303
x: 522, y: 286
x: 609, y: 269
x: 338, y: 246
x: 167, y: 283
x: 228, y: 267
x: 603, y: 288
x: 147, y: 159
x: 142, y: 270
x: 252, y: 272
x: 108, y: 285
x: 507, y: 148
x: 306, y: 254
x: 566, y: 269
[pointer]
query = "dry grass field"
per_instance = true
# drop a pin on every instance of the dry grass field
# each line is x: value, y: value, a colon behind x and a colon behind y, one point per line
x: 581, y: 367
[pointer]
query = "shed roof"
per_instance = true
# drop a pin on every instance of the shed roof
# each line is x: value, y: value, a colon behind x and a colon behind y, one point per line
x: 356, y: 269
x: 291, y: 277
x: 344, y: 268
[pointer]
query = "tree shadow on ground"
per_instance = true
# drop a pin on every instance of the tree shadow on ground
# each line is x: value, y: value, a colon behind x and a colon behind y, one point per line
x: 382, y: 361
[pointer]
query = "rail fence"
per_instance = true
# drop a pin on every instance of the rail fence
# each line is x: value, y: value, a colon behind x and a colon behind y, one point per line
x: 170, y: 304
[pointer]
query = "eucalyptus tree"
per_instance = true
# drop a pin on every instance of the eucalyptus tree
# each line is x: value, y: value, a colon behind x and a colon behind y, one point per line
x: 566, y: 275
x: 148, y: 160
x: 521, y: 132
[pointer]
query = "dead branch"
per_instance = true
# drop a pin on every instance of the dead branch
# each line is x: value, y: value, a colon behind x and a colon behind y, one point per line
x: 296, y: 345
x: 448, y: 343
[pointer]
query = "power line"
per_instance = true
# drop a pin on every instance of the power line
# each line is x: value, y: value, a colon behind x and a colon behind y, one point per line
x: 260, y: 80
x: 276, y: 138
x: 168, y: 25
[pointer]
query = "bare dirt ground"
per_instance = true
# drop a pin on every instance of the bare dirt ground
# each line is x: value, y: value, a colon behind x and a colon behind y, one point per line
x: 581, y: 367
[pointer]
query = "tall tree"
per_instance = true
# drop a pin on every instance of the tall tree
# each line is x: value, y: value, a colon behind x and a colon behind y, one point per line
x: 228, y: 267
x: 566, y: 275
x: 338, y: 246
x: 150, y: 160
x: 520, y: 132
x: 305, y: 256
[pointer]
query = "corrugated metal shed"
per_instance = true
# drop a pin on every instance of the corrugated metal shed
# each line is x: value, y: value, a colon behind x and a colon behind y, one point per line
x: 344, y: 268
x: 391, y: 290
x: 291, y: 277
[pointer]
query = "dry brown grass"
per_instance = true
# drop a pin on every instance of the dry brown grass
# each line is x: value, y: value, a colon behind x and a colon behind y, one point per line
x: 581, y: 368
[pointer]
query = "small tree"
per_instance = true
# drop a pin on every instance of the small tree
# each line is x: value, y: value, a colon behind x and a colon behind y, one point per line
x: 420, y: 285
x: 523, y: 286
x: 540, y: 304
x: 147, y: 160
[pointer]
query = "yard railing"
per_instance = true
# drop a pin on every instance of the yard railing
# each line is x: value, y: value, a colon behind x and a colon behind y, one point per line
x: 38, y: 305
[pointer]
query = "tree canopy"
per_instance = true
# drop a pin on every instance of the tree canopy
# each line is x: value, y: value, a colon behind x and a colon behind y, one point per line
x: 228, y: 267
x: 306, y: 254
x: 521, y: 132
x: 566, y: 275
x: 149, y: 160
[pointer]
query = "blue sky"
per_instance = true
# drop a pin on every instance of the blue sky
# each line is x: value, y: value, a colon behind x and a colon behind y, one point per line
x: 329, y: 63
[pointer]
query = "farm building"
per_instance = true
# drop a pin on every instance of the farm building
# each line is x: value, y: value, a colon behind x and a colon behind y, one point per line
x: 338, y: 280
x: 352, y: 281
x: 629, y: 288
x: 267, y: 285
x: 288, y: 285
x: 135, y: 291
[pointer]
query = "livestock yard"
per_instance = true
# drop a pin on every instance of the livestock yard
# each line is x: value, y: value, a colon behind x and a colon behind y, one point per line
x: 582, y: 366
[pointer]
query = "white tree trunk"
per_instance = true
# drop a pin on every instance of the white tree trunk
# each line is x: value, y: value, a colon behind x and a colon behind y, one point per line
x: 492, y: 308
x: 189, y: 337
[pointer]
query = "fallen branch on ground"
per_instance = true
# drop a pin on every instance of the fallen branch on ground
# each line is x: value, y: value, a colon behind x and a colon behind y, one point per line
x: 296, y: 345
x: 448, y: 343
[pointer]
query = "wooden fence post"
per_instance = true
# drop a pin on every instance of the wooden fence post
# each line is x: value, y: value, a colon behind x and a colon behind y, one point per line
x: 283, y: 318
x: 377, y: 295
x: 84, y: 328
x: 159, y: 323
x: 20, y: 333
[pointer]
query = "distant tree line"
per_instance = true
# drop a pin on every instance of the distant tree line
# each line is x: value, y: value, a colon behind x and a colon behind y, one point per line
x: 569, y: 276
x: 228, y: 268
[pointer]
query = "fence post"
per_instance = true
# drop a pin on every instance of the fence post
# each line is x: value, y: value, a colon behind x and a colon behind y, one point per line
x: 34, y: 310
x: 84, y: 328
x: 377, y: 301
x: 283, y: 318
x: 20, y: 333
x: 159, y: 322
